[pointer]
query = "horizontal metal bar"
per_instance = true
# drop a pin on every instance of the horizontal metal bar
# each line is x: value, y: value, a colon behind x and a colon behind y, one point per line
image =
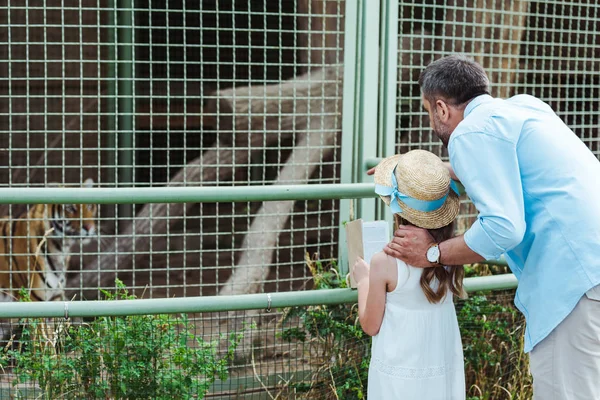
x: 501, y: 261
x: 493, y: 282
x: 207, y: 194
x: 372, y: 162
x: 213, y: 303
x: 176, y: 305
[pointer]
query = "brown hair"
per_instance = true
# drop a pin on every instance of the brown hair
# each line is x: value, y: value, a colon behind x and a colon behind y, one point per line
x: 450, y: 279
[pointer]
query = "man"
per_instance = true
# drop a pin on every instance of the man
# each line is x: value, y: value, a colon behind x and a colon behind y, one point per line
x: 536, y: 187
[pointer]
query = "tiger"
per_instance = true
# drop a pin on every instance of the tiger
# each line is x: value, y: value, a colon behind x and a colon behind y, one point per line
x: 35, y: 248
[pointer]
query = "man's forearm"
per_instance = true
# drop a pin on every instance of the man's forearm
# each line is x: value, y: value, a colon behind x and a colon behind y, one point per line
x: 456, y: 252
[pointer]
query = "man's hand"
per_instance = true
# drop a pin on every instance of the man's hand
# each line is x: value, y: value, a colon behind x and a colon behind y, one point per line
x: 410, y: 244
x: 361, y: 270
x: 371, y: 171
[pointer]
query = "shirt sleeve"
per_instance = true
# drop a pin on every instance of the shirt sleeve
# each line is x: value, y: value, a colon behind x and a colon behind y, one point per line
x: 488, y: 168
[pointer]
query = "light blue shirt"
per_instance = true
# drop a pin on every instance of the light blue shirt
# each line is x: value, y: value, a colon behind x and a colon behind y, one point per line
x: 536, y: 187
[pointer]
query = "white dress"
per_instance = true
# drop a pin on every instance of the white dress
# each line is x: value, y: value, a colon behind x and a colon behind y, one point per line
x: 417, y: 354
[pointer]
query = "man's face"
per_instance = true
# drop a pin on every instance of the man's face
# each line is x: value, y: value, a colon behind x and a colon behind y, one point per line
x: 441, y: 130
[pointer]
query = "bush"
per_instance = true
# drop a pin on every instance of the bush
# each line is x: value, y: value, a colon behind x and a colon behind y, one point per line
x: 492, y: 336
x: 335, y: 341
x: 141, y: 357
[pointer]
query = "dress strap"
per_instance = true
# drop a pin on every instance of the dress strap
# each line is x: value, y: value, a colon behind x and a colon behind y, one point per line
x: 403, y: 275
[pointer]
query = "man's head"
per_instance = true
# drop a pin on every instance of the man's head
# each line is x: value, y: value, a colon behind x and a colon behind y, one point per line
x: 447, y: 86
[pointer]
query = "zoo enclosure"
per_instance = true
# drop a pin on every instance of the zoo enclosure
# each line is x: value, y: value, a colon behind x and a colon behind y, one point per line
x: 243, y: 93
x: 181, y: 94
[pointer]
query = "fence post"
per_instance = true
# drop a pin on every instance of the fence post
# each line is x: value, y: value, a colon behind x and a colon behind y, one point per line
x: 125, y: 99
x: 388, y: 89
x: 360, y: 98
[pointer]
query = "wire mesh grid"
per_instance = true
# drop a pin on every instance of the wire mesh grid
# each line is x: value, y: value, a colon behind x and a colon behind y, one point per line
x: 248, y: 92
x: 548, y: 49
x: 158, y: 93
x: 316, y: 352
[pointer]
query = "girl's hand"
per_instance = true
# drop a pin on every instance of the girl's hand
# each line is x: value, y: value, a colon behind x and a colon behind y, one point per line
x: 361, y: 270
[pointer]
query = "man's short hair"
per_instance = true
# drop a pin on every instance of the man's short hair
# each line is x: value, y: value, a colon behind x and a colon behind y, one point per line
x: 455, y: 79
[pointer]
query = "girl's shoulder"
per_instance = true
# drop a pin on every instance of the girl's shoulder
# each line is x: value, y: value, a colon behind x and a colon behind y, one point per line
x: 382, y: 260
x: 390, y: 267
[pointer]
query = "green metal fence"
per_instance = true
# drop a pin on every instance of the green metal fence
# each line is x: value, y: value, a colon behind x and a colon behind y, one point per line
x: 301, y: 345
x: 206, y: 93
x: 182, y: 112
x: 184, y: 93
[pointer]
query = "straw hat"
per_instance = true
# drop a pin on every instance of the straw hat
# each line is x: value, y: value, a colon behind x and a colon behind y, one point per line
x: 425, y: 195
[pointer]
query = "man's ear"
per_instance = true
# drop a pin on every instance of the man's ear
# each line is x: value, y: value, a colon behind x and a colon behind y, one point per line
x: 442, y: 110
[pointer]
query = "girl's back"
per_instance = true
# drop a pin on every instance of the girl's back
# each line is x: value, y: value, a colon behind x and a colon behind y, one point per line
x: 416, y: 350
x: 417, y: 353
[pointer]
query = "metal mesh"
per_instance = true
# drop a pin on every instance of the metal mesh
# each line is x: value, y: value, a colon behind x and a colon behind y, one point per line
x: 156, y: 93
x: 315, y: 352
x: 201, y: 93
x: 549, y: 49
x: 186, y: 93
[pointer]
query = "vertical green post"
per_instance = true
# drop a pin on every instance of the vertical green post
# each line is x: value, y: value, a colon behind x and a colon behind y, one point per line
x: 359, y: 124
x: 388, y: 89
x: 366, y: 126
x: 351, y: 42
x: 125, y: 98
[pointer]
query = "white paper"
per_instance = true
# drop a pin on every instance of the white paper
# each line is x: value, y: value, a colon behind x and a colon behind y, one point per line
x: 376, y: 234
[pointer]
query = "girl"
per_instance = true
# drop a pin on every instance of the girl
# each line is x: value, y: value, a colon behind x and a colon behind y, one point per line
x: 416, y: 350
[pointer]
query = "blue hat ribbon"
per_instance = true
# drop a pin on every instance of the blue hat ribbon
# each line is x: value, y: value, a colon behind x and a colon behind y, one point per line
x: 416, y: 204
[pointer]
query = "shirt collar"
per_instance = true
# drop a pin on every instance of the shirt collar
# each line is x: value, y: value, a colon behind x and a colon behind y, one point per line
x: 484, y: 98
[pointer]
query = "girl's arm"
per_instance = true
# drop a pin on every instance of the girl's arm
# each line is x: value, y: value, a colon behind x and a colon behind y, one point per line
x: 372, y: 286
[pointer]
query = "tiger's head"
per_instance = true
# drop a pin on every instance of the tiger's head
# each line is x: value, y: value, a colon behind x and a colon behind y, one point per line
x: 75, y: 220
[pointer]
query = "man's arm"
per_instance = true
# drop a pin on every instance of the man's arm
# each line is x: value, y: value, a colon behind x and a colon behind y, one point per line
x: 489, y: 165
x: 456, y: 252
x: 490, y: 169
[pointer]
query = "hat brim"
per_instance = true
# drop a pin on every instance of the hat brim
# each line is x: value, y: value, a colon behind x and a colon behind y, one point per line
x: 429, y: 220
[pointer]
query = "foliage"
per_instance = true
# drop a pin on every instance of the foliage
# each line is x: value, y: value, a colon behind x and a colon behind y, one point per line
x: 492, y: 336
x: 141, y: 357
x: 333, y: 338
